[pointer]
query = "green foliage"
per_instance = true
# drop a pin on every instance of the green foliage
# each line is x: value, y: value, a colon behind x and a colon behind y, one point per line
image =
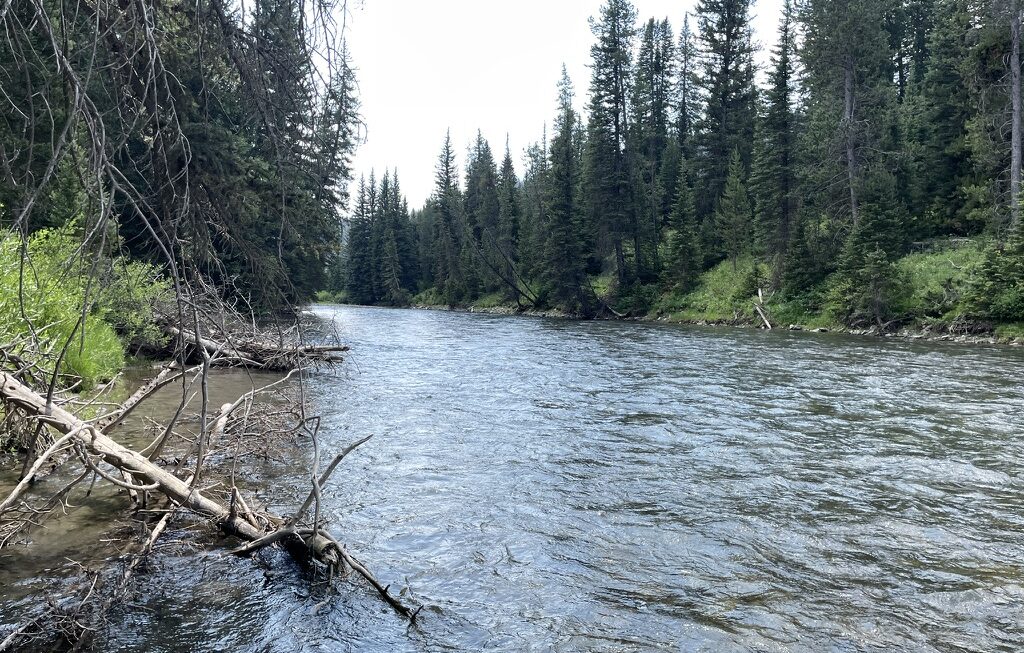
x: 733, y: 214
x: 893, y: 139
x: 45, y: 297
x: 724, y: 294
x: 128, y: 300
x: 998, y: 293
x: 936, y: 282
x: 866, y: 291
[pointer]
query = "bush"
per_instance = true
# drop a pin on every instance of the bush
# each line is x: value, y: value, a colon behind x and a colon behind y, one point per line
x: 998, y: 291
x: 42, y: 300
x: 937, y: 281
x: 865, y: 293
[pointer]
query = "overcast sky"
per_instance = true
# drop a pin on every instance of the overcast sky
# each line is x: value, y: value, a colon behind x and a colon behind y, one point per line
x: 427, y: 66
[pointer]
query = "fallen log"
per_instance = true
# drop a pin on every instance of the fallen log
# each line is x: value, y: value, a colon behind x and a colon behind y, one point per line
x: 148, y: 476
x: 259, y: 354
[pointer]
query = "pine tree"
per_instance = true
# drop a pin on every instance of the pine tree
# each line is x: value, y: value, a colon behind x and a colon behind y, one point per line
x: 482, y: 210
x: 686, y: 262
x: 847, y: 60
x: 607, y: 180
x: 564, y: 261
x: 733, y: 213
x: 359, y: 285
x: 727, y: 85
x: 945, y: 154
x: 449, y: 274
x: 774, y: 175
x: 649, y: 136
x: 509, y: 213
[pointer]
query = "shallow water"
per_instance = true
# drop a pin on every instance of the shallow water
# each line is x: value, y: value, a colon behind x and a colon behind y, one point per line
x: 546, y: 485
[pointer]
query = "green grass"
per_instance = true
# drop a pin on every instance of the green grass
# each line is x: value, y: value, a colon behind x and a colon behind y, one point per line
x: 721, y: 296
x: 42, y: 299
x: 934, y: 283
x: 492, y: 300
x: 1012, y: 331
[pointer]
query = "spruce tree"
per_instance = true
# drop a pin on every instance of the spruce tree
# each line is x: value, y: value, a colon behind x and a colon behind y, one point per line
x: 727, y: 86
x: 734, y: 213
x: 607, y: 182
x: 564, y: 261
x: 686, y: 260
x: 449, y: 277
x: 774, y: 174
x: 649, y: 136
x: 359, y: 285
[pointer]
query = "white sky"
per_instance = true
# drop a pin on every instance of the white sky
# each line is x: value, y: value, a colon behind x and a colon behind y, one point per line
x: 425, y: 66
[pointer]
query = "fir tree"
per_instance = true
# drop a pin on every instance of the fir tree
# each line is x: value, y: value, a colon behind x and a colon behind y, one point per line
x: 686, y: 261
x: 727, y: 85
x: 564, y: 261
x: 733, y: 213
x: 607, y: 171
x: 774, y: 175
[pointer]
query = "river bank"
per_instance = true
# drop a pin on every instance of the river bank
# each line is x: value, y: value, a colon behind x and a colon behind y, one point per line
x: 987, y: 338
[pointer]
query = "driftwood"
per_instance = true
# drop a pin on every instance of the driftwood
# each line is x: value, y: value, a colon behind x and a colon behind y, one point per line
x: 260, y: 353
x: 143, y: 475
x: 759, y: 307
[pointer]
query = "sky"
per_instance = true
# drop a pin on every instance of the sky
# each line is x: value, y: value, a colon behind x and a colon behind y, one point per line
x: 428, y: 66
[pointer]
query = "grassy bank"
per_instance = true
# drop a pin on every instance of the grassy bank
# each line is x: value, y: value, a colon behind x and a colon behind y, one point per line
x: 928, y: 292
x: 78, y: 312
x: 931, y: 292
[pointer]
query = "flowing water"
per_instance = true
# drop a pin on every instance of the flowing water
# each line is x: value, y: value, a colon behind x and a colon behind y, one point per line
x: 545, y: 485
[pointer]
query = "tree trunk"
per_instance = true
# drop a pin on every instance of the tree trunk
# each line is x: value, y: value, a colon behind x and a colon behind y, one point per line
x: 1015, y: 134
x: 851, y: 162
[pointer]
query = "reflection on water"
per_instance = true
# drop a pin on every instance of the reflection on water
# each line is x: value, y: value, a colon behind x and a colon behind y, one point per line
x: 551, y: 485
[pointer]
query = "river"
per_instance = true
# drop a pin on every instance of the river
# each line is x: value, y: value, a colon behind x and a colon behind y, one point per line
x: 550, y: 485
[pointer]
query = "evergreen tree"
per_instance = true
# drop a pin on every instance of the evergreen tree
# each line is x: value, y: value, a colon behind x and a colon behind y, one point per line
x: 359, y: 284
x: 727, y: 86
x: 607, y: 183
x: 733, y: 213
x: 649, y: 136
x: 774, y: 174
x: 449, y: 274
x: 482, y: 210
x: 686, y: 262
x: 851, y: 96
x: 564, y: 261
x: 945, y: 157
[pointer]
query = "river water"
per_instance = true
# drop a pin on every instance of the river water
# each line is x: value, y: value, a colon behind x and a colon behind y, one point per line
x: 547, y: 485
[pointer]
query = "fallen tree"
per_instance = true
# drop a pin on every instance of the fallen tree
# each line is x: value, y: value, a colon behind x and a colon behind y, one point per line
x: 257, y: 353
x: 139, y: 474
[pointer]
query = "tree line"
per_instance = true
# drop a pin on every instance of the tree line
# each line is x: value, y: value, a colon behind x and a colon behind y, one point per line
x: 879, y: 124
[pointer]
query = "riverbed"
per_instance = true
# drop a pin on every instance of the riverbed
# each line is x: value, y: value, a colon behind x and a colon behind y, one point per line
x: 554, y: 485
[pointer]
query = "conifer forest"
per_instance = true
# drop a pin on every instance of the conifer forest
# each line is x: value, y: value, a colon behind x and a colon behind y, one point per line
x: 881, y: 141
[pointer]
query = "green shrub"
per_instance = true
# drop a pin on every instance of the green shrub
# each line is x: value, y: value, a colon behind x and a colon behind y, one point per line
x: 936, y: 282
x: 42, y: 295
x: 997, y: 293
